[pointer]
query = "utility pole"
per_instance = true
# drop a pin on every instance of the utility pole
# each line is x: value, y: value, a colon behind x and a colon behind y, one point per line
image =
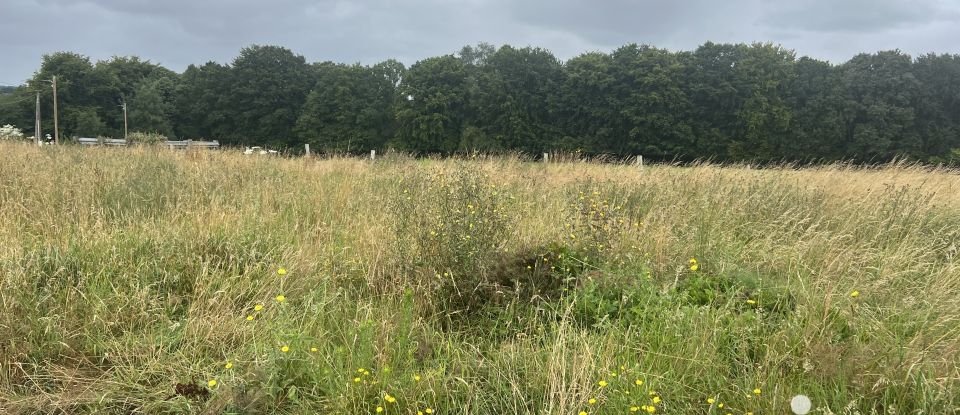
x: 124, y: 119
x: 56, y: 127
x: 36, y: 126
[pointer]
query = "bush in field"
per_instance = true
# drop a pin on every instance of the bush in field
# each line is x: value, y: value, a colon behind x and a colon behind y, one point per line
x: 9, y: 132
x: 138, y: 137
x: 450, y: 227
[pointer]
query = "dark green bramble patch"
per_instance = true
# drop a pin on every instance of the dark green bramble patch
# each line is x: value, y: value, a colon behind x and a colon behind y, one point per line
x: 746, y: 291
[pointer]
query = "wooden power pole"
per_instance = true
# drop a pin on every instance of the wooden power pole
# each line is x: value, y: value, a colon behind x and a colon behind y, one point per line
x: 56, y: 127
x: 36, y: 125
x: 124, y: 119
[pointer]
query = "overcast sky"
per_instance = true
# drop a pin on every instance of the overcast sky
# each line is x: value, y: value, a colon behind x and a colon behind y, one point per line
x: 177, y: 33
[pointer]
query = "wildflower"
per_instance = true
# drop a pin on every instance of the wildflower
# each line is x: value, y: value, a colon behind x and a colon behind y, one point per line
x: 229, y: 365
x: 583, y: 412
x: 258, y: 307
x: 211, y: 383
x: 651, y: 409
x: 854, y: 294
x: 694, y: 265
x: 285, y: 348
x: 281, y: 271
x: 379, y: 409
x: 602, y: 383
x: 592, y: 401
x: 389, y: 398
x: 638, y: 382
x: 356, y: 380
x: 428, y: 410
x: 751, y: 302
x: 281, y: 298
x: 656, y: 399
x: 249, y: 318
x: 416, y: 378
x: 313, y: 349
x: 720, y: 405
x: 710, y: 401
x: 756, y: 391
x: 634, y: 408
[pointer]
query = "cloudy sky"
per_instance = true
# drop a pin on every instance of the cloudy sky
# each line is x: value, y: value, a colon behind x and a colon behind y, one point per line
x: 176, y: 33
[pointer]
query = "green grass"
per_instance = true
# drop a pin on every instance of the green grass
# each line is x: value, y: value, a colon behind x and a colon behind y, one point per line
x: 474, y: 286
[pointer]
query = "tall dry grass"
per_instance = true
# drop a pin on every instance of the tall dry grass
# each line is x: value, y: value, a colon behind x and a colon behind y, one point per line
x: 128, y: 276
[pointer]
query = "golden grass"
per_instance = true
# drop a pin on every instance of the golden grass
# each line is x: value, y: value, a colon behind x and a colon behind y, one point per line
x: 128, y: 271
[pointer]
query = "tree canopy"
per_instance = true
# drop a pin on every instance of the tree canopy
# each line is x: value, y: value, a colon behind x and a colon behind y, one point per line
x: 726, y: 102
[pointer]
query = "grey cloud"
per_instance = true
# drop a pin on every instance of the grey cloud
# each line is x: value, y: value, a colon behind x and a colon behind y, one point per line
x: 859, y: 16
x: 180, y: 32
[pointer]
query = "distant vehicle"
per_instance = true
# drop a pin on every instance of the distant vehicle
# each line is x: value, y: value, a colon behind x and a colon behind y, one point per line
x: 258, y: 150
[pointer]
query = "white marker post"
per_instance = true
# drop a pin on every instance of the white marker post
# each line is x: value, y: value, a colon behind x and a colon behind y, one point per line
x: 306, y: 148
x: 640, y: 162
x: 373, y: 155
x: 546, y: 157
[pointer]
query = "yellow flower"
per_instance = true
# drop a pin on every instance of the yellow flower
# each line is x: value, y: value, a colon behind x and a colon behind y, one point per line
x: 656, y: 399
x: 258, y: 307
x: 416, y: 378
x: 638, y: 382
x: 710, y: 401
x: 602, y: 383
x: 749, y: 413
x: 313, y: 349
x: 694, y: 267
x: 651, y: 409
x: 229, y: 365
x: 751, y: 302
x: 756, y: 391
x: 389, y: 398
x: 855, y: 294
x: 356, y: 380
x: 428, y: 410
x: 285, y: 348
x: 634, y: 408
x: 720, y: 405
x: 281, y: 298
x: 583, y: 412
x: 592, y: 401
x: 419, y: 412
x: 281, y: 271
x: 249, y: 318
x: 211, y: 383
x: 379, y: 409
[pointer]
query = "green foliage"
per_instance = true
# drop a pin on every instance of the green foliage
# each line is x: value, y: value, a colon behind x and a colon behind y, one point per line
x: 350, y: 108
x: 727, y: 102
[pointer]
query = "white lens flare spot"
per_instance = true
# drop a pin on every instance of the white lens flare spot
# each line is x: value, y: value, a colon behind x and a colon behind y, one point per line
x: 800, y: 404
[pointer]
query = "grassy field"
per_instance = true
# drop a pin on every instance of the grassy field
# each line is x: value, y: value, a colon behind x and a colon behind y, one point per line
x: 150, y: 281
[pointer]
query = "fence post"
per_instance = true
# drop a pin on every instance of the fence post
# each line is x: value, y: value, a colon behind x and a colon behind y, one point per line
x: 640, y: 161
x: 373, y: 155
x: 306, y: 147
x: 546, y: 157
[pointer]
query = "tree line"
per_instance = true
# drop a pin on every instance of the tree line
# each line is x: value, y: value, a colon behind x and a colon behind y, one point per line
x: 727, y: 102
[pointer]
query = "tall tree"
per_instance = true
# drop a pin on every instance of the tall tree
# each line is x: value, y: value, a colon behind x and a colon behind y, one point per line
x: 350, y: 108
x: 432, y: 108
x: 269, y: 87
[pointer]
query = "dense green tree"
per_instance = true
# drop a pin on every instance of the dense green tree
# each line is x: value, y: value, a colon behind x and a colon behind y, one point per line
x: 728, y: 102
x: 512, y: 94
x: 150, y: 107
x: 649, y: 109
x: 880, y: 91
x: 200, y: 108
x: 269, y: 85
x: 433, y: 104
x: 586, y: 109
x: 351, y: 107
